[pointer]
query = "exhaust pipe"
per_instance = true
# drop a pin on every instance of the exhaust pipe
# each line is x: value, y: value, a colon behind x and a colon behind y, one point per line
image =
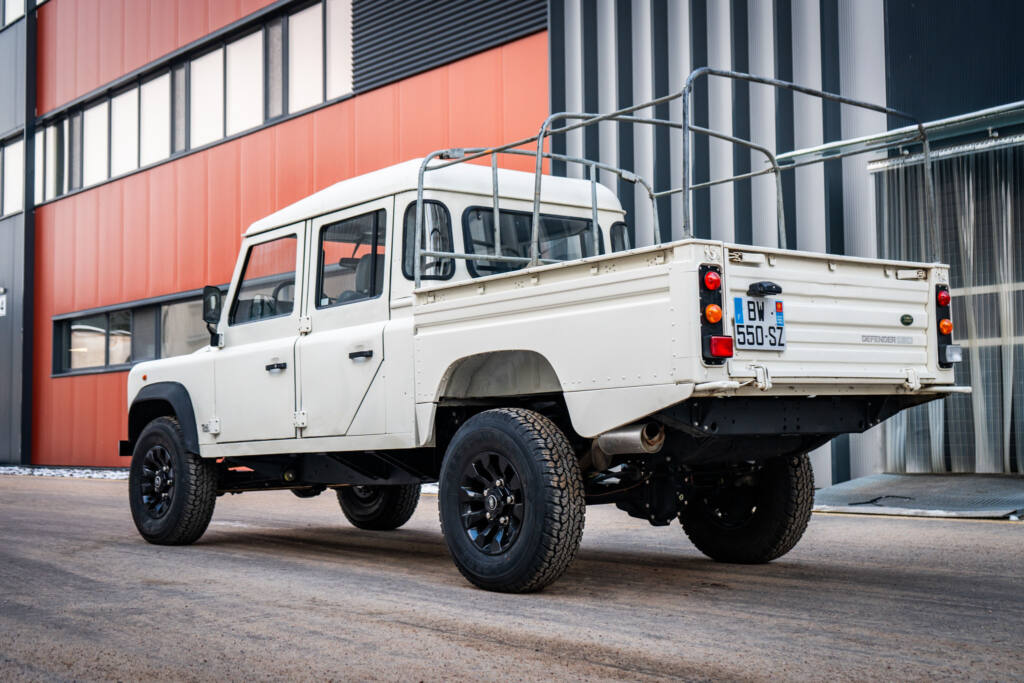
x: 646, y: 437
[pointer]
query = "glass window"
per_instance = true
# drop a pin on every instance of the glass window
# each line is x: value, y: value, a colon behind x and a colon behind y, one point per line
x: 562, y: 238
x: 75, y: 152
x: 206, y: 104
x: 622, y: 237
x: 245, y: 83
x: 14, y: 177
x: 179, y: 109
x: 124, y: 132
x: 275, y: 70
x: 13, y: 10
x: 182, y: 329
x: 94, y: 145
x: 352, y: 259
x: 436, y: 237
x: 155, y: 137
x: 119, y: 341
x: 40, y: 174
x: 339, y: 48
x: 267, y: 289
x: 305, y: 58
x: 144, y: 333
x: 51, y: 161
x: 87, y: 342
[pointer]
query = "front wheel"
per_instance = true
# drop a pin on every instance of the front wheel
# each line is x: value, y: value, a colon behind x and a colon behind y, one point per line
x: 753, y: 517
x: 511, y: 500
x: 171, y: 492
x: 379, y: 508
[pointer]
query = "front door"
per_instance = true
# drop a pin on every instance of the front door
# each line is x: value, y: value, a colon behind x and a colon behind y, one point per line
x: 255, y: 370
x: 341, y: 359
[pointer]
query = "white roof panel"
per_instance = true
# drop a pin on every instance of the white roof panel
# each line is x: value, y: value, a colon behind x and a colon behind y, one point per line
x: 466, y: 178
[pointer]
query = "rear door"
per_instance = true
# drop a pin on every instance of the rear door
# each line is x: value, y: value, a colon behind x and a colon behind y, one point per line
x: 342, y: 356
x: 255, y: 370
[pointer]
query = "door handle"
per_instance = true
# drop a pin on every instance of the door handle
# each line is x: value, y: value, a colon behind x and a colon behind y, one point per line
x: 276, y: 366
x: 361, y: 354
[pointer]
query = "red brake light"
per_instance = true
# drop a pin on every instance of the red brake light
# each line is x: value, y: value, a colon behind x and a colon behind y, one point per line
x: 943, y: 297
x: 721, y: 347
x: 712, y: 280
x: 713, y: 313
x: 946, y: 326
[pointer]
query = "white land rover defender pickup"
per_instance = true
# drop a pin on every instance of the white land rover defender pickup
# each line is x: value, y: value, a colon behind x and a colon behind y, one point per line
x: 496, y: 332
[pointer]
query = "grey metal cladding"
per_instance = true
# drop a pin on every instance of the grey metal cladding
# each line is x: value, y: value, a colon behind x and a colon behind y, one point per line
x: 393, y: 40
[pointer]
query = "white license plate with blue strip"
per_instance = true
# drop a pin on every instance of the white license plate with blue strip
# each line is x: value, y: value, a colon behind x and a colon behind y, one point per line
x: 759, y: 323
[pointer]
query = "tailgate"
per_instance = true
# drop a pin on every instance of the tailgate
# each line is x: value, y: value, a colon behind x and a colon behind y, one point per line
x: 864, y: 320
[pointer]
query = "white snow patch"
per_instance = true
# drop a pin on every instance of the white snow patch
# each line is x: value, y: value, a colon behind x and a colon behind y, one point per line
x: 74, y: 472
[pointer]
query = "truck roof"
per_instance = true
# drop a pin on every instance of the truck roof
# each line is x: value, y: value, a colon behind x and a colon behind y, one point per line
x: 463, y: 178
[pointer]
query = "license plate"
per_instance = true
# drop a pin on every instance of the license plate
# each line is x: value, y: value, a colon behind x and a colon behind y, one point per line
x: 758, y: 323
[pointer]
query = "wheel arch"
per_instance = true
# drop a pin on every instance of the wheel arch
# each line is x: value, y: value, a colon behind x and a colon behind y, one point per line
x: 163, y: 399
x: 493, y: 374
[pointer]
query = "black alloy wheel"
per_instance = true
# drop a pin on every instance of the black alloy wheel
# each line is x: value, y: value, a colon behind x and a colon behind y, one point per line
x: 491, y: 502
x: 171, y: 492
x: 157, y: 489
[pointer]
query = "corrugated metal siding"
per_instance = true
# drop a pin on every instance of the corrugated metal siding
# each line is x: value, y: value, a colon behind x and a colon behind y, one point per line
x: 392, y: 40
x: 178, y: 226
x: 83, y: 44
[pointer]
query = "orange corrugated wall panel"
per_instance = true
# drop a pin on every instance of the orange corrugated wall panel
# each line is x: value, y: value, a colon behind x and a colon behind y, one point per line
x: 83, y: 44
x: 178, y: 226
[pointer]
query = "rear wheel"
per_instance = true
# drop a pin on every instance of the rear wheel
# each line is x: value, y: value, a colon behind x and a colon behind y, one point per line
x: 171, y: 492
x: 379, y: 508
x: 511, y: 500
x: 753, y: 517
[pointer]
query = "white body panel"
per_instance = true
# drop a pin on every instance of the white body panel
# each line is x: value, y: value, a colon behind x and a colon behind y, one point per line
x: 617, y: 335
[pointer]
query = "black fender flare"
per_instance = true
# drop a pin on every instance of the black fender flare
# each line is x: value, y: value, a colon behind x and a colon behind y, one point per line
x: 153, y: 402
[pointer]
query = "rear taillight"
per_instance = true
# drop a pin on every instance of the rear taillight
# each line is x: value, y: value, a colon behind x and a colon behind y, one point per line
x: 721, y: 347
x: 715, y: 347
x: 949, y: 352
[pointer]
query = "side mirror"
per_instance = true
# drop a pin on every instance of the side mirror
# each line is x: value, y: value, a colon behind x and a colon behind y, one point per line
x: 211, y: 304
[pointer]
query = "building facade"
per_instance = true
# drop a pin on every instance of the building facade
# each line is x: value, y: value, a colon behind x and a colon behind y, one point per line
x: 139, y: 138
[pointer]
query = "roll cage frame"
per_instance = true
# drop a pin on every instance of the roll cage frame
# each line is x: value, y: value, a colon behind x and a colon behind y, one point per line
x: 777, y: 163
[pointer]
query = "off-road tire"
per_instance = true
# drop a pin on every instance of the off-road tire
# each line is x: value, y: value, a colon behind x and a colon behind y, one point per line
x: 784, y: 496
x: 553, y: 505
x: 194, y: 487
x: 380, y: 508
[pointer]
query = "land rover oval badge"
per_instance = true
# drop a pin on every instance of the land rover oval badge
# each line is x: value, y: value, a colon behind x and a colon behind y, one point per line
x: 907, y: 319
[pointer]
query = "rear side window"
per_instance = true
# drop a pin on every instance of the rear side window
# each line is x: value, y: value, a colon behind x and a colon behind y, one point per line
x: 436, y: 237
x: 622, y: 236
x: 352, y: 260
x: 562, y: 238
x: 267, y: 289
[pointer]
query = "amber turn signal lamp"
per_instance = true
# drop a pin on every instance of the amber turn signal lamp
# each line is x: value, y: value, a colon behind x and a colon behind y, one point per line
x: 712, y: 313
x: 946, y: 326
x: 943, y: 297
x: 712, y: 280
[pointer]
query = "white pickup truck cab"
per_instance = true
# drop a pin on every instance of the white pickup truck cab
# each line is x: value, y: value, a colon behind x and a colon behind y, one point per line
x: 685, y: 380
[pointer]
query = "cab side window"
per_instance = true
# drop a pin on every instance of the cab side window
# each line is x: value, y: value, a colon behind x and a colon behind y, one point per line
x: 437, y: 236
x: 623, y: 238
x: 267, y: 289
x: 351, y: 260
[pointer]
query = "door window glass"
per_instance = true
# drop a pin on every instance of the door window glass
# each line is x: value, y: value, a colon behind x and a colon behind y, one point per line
x: 267, y: 289
x: 351, y: 260
x: 437, y: 236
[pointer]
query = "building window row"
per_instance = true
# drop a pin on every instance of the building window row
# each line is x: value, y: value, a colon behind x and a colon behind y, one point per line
x: 12, y: 177
x: 285, y: 66
x: 116, y: 339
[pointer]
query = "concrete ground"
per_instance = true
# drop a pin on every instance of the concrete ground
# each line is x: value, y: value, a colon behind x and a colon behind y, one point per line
x: 284, y: 588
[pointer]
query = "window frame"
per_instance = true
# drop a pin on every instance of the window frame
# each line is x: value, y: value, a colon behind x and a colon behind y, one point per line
x: 467, y: 241
x: 380, y: 225
x: 405, y: 242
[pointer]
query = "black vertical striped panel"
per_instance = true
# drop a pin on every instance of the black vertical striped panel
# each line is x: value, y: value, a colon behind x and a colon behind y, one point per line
x: 398, y: 38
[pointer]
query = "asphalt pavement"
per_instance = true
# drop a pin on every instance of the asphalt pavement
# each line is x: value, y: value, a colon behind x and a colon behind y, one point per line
x: 283, y: 588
